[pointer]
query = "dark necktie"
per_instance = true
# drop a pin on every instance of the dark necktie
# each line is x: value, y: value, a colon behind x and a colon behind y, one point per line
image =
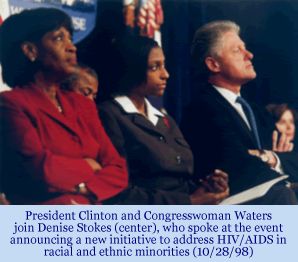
x: 251, y: 119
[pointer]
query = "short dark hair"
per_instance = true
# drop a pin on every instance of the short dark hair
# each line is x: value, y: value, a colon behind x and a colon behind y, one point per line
x: 29, y: 25
x: 206, y: 43
x: 90, y: 71
x: 131, y: 62
x: 68, y: 83
x: 277, y: 110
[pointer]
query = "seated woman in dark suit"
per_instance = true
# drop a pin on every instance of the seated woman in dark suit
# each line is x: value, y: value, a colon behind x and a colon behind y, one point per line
x: 54, y: 149
x: 160, y: 160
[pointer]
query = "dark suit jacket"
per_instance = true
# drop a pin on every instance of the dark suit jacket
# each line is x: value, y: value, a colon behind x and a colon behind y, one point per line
x: 43, y: 151
x: 159, y: 159
x: 220, y: 138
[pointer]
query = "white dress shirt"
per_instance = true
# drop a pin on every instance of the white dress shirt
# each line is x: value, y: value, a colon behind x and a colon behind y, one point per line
x: 231, y: 98
x: 128, y: 106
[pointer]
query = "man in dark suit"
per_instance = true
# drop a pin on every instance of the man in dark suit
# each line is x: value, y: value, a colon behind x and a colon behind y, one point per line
x: 232, y: 135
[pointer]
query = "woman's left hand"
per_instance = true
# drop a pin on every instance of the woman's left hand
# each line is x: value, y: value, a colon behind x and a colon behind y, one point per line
x: 93, y: 164
x: 217, y: 181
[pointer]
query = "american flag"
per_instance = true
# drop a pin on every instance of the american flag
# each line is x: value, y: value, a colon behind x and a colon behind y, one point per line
x: 147, y: 15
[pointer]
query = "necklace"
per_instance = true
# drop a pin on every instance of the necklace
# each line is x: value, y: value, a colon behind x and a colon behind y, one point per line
x: 58, y: 105
x: 52, y: 94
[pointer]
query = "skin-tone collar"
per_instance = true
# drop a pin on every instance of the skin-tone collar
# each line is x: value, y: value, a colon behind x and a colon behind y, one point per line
x: 139, y: 102
x: 47, y: 85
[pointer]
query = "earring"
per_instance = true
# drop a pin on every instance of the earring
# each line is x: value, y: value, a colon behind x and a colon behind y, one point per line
x: 32, y: 58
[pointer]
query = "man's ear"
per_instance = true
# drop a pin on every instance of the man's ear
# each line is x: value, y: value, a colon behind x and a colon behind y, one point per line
x: 212, y: 64
x: 30, y: 50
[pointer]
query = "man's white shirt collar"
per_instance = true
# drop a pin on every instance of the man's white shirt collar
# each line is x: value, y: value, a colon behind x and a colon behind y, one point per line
x: 231, y: 98
x: 227, y: 94
x: 152, y: 113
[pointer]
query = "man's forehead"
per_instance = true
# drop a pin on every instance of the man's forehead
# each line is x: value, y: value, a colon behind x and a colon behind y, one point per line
x: 232, y: 38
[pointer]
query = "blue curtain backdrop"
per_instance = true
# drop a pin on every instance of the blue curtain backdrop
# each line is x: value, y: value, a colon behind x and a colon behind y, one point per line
x: 269, y: 27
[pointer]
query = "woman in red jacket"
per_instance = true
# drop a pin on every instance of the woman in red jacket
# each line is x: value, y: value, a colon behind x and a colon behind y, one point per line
x: 54, y: 149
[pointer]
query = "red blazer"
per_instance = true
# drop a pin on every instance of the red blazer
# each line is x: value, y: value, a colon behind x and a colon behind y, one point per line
x: 43, y: 151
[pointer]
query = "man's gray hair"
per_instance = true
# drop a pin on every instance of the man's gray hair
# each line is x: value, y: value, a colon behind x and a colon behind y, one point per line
x: 207, y: 42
